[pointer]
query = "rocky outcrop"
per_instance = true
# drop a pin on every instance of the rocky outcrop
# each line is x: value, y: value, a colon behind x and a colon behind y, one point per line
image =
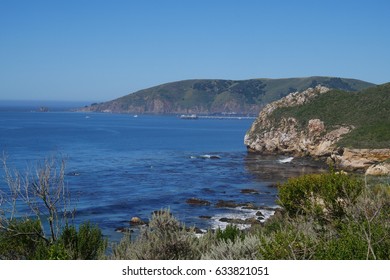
x: 369, y: 160
x: 286, y: 136
x: 379, y: 169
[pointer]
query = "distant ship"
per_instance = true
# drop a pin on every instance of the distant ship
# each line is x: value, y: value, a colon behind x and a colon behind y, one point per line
x: 43, y: 109
x: 189, y: 117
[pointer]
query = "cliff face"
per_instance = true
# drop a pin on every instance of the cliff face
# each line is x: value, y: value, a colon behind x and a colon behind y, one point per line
x: 287, y: 135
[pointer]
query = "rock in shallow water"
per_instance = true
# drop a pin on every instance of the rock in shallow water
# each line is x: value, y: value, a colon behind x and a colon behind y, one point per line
x: 136, y: 221
x: 197, y: 201
x: 249, y: 191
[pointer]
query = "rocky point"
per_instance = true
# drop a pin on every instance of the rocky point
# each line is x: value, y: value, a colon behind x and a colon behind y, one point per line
x: 286, y: 136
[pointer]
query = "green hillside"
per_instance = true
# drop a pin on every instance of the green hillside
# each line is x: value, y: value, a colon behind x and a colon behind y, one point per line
x: 367, y: 110
x: 217, y: 96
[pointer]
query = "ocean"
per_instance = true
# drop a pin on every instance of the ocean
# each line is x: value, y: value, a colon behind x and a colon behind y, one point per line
x: 119, y: 166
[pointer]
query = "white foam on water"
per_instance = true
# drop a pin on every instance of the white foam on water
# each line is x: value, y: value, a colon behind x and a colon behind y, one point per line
x: 239, y: 213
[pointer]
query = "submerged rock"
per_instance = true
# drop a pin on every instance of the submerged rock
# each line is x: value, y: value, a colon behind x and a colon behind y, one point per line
x: 226, y: 204
x: 210, y: 157
x: 233, y: 204
x: 197, y: 201
x: 249, y: 191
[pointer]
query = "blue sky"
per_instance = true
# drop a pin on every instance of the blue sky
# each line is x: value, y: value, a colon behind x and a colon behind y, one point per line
x: 100, y: 50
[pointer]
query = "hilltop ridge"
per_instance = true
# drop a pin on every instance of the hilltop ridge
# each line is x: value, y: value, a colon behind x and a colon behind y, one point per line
x: 210, y: 96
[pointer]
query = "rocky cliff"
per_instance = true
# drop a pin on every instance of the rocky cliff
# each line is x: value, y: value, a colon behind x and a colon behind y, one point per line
x: 288, y: 134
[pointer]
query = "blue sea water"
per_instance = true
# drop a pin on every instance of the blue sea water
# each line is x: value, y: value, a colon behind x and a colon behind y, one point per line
x: 119, y: 166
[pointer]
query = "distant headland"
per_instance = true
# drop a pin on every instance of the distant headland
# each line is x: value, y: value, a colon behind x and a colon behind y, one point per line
x: 211, y: 96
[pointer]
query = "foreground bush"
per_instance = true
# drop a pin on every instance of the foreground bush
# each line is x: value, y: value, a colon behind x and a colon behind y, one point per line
x: 323, y: 196
x: 327, y: 216
x: 23, y: 239
x: 86, y: 243
x: 239, y: 249
x: 354, y: 225
x: 164, y: 239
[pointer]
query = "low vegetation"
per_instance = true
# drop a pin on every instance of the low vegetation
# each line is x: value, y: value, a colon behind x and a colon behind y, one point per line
x: 326, y: 216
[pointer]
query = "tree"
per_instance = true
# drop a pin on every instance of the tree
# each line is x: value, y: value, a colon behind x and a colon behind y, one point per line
x: 42, y: 192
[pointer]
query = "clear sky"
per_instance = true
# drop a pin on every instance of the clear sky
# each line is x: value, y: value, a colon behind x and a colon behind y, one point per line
x: 99, y: 50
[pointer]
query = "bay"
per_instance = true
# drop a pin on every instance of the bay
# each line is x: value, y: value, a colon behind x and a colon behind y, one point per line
x: 119, y: 166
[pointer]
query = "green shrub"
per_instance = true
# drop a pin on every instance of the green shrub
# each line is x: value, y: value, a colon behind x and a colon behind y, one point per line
x: 57, y: 251
x: 87, y: 243
x: 363, y: 235
x: 324, y: 196
x: 231, y: 232
x: 23, y: 239
x: 291, y: 239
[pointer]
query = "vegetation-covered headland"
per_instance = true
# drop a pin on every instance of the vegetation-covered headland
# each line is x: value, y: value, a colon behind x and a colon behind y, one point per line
x: 209, y: 96
x: 322, y: 216
x: 351, y: 130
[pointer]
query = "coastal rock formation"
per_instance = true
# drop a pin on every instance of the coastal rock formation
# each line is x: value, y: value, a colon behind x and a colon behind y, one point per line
x: 363, y: 159
x: 379, y: 169
x: 286, y: 135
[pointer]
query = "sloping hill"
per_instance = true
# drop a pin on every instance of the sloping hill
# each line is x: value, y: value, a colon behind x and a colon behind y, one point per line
x: 217, y: 96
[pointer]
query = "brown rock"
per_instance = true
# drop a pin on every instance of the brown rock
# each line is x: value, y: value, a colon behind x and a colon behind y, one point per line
x: 381, y: 169
x: 361, y: 159
x: 226, y: 204
x: 136, y: 221
x: 197, y: 201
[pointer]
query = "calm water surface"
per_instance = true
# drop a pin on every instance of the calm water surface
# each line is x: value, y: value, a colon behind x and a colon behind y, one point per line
x: 119, y: 166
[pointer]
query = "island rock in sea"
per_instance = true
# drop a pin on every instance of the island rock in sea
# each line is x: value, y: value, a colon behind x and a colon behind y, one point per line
x: 286, y: 135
